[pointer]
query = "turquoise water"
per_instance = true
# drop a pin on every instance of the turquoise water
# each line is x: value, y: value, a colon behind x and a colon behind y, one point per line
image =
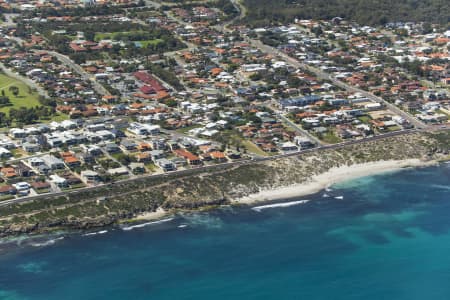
x: 387, y: 238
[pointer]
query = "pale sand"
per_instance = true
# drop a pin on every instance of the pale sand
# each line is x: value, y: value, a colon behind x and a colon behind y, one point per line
x: 333, y: 176
x: 150, y: 216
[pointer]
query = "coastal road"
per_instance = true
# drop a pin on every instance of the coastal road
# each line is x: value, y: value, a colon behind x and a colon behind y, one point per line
x: 215, y: 167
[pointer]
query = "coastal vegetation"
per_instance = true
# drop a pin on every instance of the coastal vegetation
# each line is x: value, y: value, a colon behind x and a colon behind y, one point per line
x: 365, y: 12
x: 199, y: 188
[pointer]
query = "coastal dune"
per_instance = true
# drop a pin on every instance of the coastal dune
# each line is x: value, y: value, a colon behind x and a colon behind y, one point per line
x: 332, y: 176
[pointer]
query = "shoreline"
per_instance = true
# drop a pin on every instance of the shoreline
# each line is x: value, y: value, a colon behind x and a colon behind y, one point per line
x: 150, y: 216
x: 314, y: 185
x: 333, y: 176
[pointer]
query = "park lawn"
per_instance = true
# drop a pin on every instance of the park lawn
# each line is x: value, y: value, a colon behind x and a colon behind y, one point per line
x: 144, y: 44
x: 25, y: 98
x: 57, y: 117
x: 112, y: 35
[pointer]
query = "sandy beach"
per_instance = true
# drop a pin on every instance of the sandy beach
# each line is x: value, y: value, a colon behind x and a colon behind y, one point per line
x: 150, y: 216
x: 333, y: 176
x: 314, y: 185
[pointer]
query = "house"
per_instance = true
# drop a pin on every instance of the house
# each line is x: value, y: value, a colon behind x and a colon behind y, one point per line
x: 22, y: 186
x: 137, y: 167
x: 31, y: 147
x: 288, y: 146
x: 89, y: 176
x: 93, y: 150
x: 5, y: 153
x: 191, y: 158
x: 8, y: 172
x: 17, y: 133
x: 128, y: 145
x: 144, y: 157
x: 40, y: 186
x: 173, y: 145
x: 59, y: 181
x: 23, y: 170
x: 112, y: 148
x: 86, y: 158
x: 158, y: 144
x: 233, y: 155
x: 157, y: 154
x: 43, y: 169
x: 72, y: 162
x: 7, y: 190
x: 218, y: 156
x: 118, y: 171
x: 303, y: 142
x: 166, y: 165
x: 53, y: 162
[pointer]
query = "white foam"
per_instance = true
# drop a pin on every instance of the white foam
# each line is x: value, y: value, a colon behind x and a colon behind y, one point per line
x: 325, y: 195
x: 339, y: 197
x: 440, y: 186
x: 285, y: 204
x: 95, y: 233
x: 47, y: 243
x: 182, y: 226
x: 147, y: 224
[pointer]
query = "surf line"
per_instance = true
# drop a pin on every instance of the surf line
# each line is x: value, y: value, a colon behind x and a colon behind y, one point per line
x: 147, y: 224
x: 284, y: 204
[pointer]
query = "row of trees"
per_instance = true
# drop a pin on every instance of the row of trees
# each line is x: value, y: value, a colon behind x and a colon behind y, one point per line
x: 24, y: 115
x: 367, y: 12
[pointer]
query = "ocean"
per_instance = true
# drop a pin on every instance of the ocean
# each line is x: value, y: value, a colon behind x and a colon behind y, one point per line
x: 377, y: 237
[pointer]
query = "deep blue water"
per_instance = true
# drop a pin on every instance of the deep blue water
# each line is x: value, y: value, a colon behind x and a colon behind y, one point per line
x: 388, y: 238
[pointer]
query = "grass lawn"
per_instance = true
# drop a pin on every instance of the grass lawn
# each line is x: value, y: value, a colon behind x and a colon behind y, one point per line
x: 115, y: 35
x: 443, y: 112
x: 25, y: 98
x: 151, y: 167
x: 17, y: 153
x: 42, y: 191
x: 364, y: 119
x: 330, y: 138
x: 253, y: 148
x: 57, y: 117
x: 393, y: 128
x: 6, y: 197
x: 185, y: 130
x: 144, y: 44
